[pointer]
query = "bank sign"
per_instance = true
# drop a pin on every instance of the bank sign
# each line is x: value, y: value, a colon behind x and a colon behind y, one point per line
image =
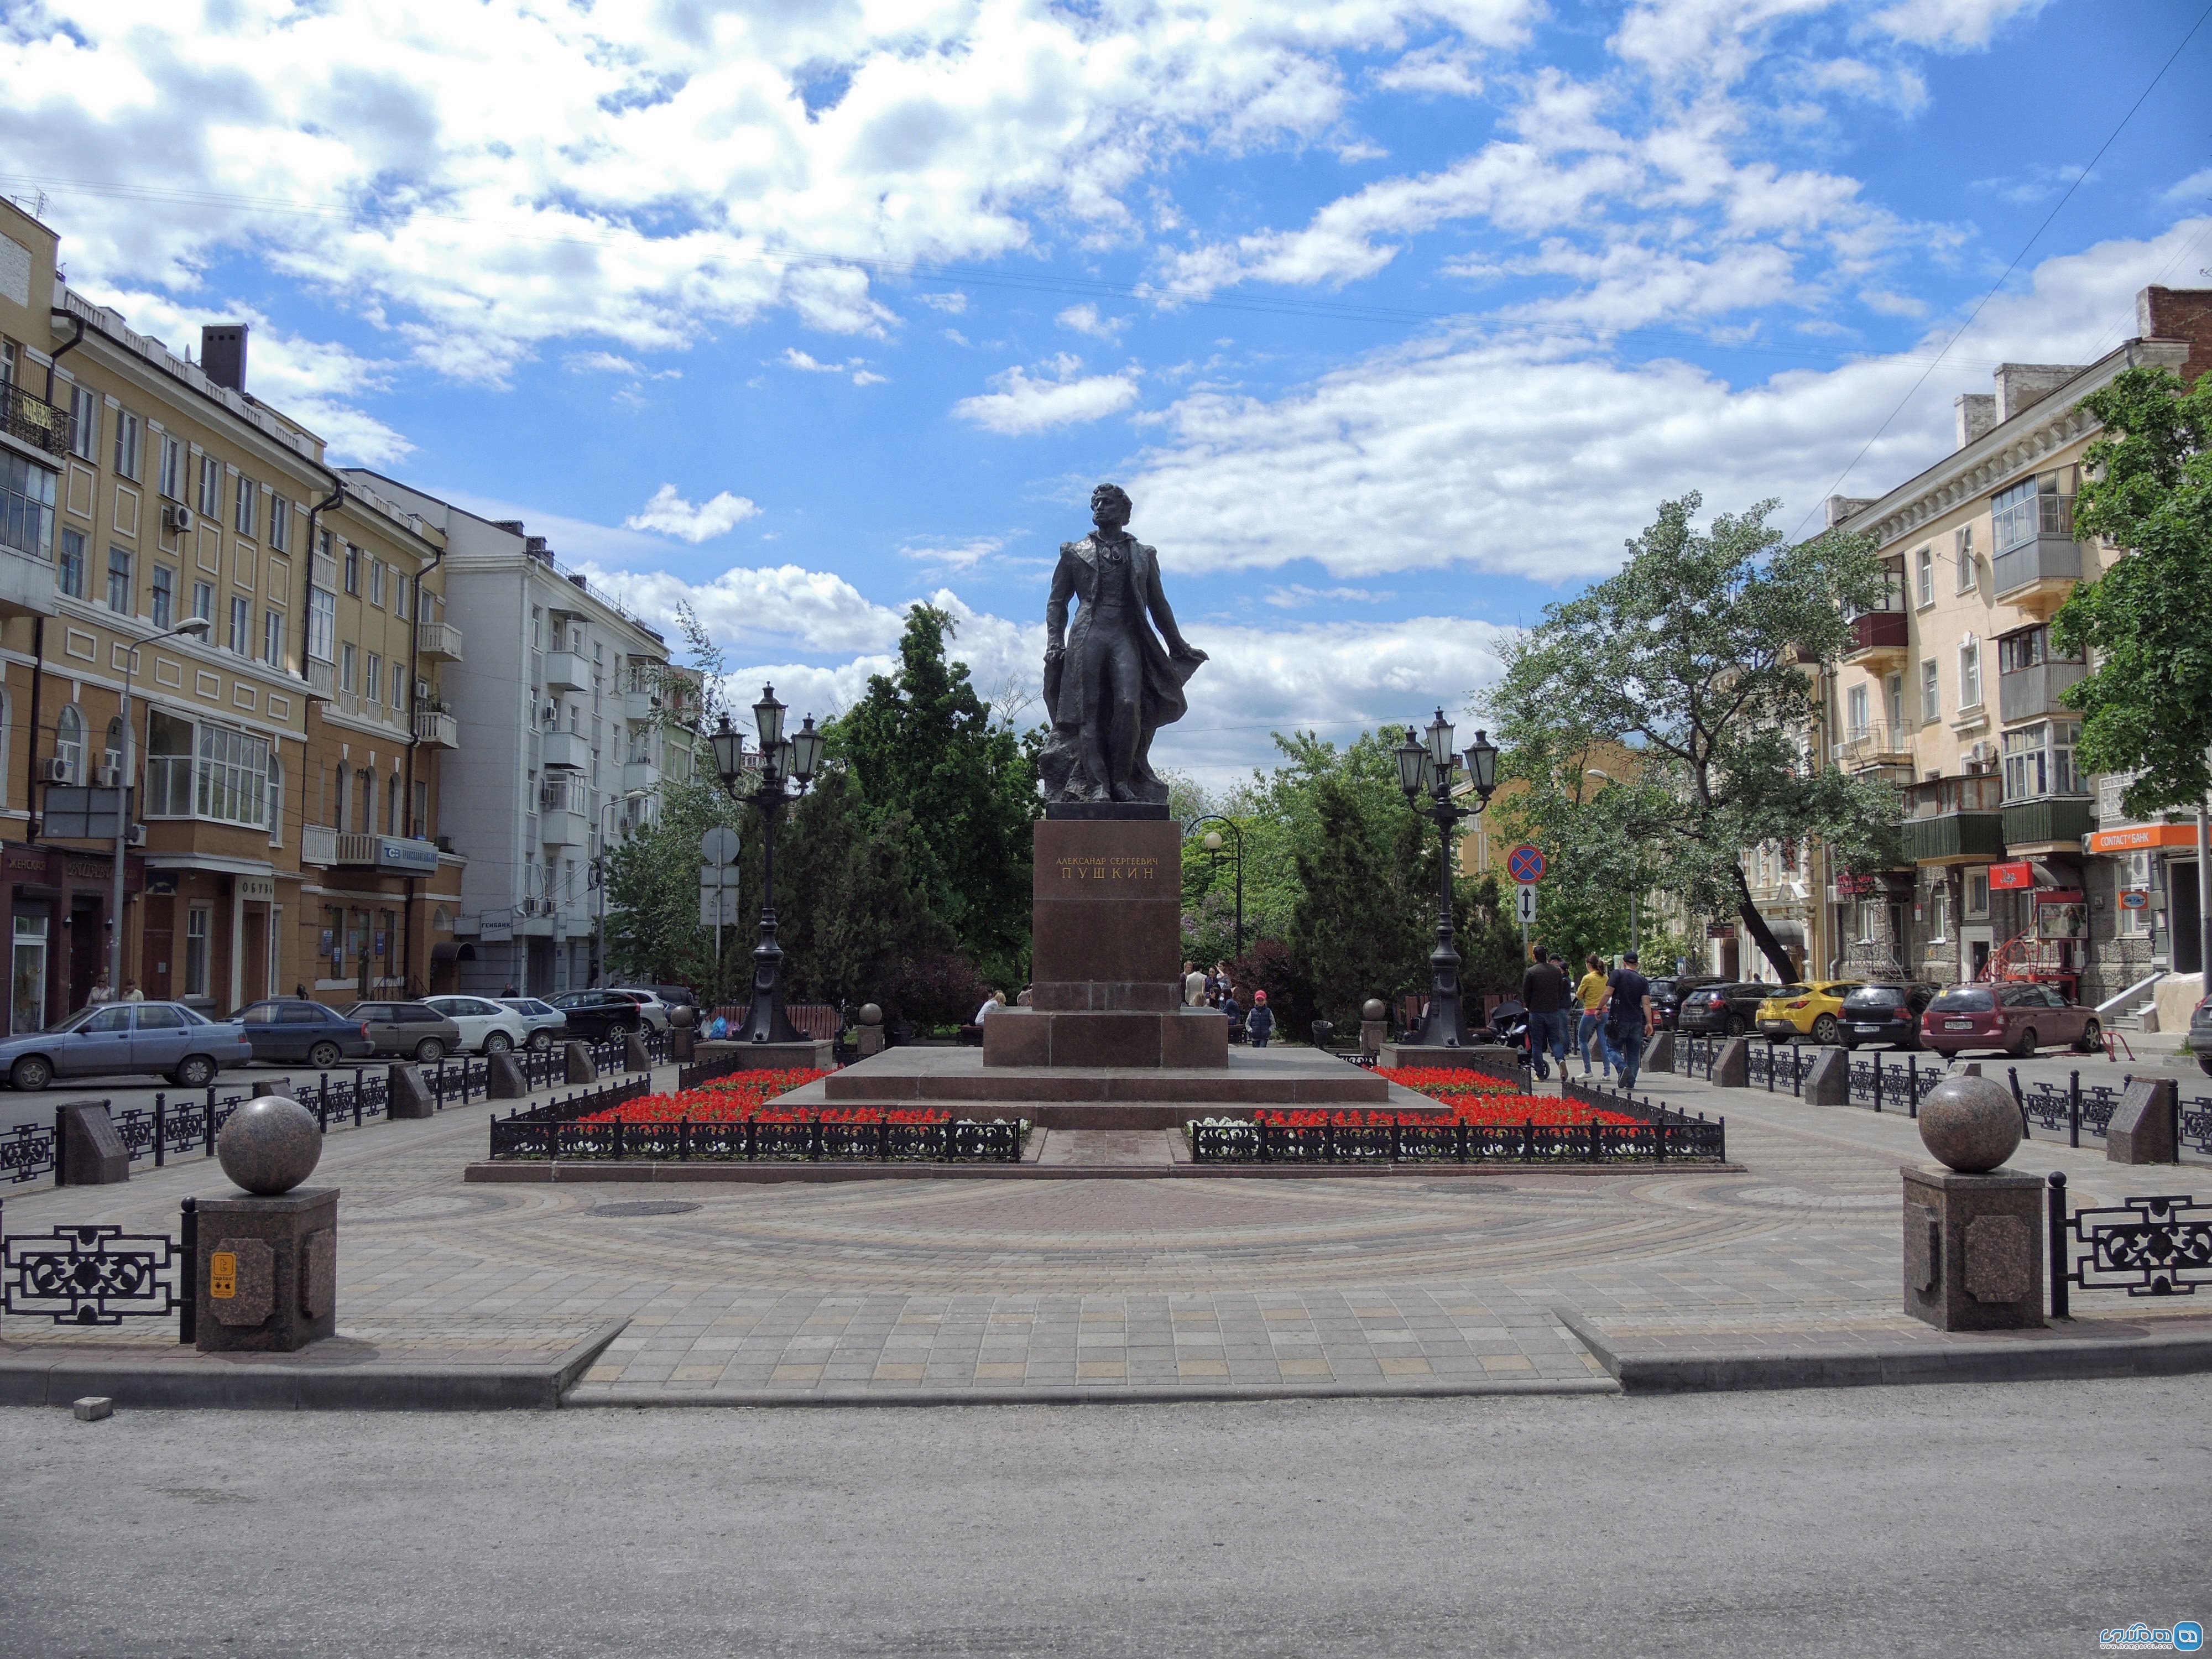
x: 415, y: 858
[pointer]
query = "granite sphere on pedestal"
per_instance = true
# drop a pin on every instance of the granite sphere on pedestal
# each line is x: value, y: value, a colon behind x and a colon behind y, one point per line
x: 269, y: 1146
x: 1972, y: 1124
x: 871, y: 1015
x: 1372, y: 1008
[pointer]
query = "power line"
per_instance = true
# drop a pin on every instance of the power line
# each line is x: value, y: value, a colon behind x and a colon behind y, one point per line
x: 2079, y: 179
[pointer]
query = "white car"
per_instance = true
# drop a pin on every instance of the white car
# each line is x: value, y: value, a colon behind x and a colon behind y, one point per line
x: 547, y: 1024
x: 655, y: 1010
x: 486, y: 1027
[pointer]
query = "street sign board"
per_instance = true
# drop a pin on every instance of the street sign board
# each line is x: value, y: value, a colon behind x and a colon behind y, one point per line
x: 1525, y: 902
x: 718, y: 845
x: 2135, y: 898
x: 80, y: 814
x: 1525, y: 864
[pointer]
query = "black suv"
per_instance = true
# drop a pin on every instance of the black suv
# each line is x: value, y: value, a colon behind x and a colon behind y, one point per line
x: 1725, y: 1010
x: 1885, y: 1013
x: 1667, y: 995
x: 595, y: 1016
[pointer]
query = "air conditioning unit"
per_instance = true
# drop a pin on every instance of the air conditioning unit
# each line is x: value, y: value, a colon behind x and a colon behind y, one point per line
x: 53, y: 771
x: 551, y: 714
x: 445, y: 843
x: 135, y: 836
x: 176, y: 518
x: 107, y: 777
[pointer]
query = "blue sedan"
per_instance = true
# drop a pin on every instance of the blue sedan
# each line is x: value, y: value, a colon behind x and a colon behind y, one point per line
x: 180, y: 1043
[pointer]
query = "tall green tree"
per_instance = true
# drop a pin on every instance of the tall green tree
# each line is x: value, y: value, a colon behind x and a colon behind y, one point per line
x: 1353, y: 935
x: 1696, y: 656
x: 2147, y: 706
x: 850, y: 919
x: 928, y: 755
x: 652, y: 891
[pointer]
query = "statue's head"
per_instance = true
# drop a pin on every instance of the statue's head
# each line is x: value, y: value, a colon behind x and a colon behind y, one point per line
x: 1109, y: 506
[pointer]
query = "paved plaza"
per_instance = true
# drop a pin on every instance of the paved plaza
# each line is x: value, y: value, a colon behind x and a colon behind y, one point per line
x: 1191, y: 1286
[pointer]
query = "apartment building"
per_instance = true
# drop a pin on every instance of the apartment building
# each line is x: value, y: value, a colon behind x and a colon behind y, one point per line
x: 1951, y: 691
x: 568, y: 719
x: 141, y: 493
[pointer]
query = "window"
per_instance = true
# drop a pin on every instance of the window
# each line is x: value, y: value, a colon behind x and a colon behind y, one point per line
x: 126, y: 445
x: 1923, y: 577
x: 376, y: 581
x: 119, y: 581
x: 400, y: 585
x: 168, y: 767
x: 1962, y: 554
x: 171, y: 479
x: 1970, y: 674
x: 196, y: 951
x: 275, y: 799
x: 399, y: 688
x: 2039, y: 760
x: 1855, y: 717
x: 376, y: 676
x: 322, y: 623
x: 1893, y: 698
x: 279, y: 523
x: 68, y: 742
x: 421, y: 827
x: 27, y: 505
x: 2029, y: 648
x: 1978, y: 894
x: 537, y: 627
x: 365, y: 801
x: 248, y: 505
x: 70, y: 576
x: 352, y: 569
x: 232, y: 779
x: 395, y: 806
x: 111, y: 754
x: 1939, y: 915
x: 2014, y: 519
x: 165, y: 594
x: 2135, y: 877
x: 84, y: 423
x: 272, y: 638
x: 241, y: 625
x: 345, y: 667
x: 203, y: 601
x: 210, y: 487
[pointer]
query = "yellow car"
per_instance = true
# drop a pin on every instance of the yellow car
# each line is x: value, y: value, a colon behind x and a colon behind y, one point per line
x: 1810, y: 1011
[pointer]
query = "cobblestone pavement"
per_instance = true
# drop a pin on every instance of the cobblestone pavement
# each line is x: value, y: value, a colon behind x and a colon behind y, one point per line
x: 949, y: 1285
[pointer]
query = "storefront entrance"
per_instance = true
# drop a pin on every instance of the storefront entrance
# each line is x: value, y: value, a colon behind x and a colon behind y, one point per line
x: 26, y: 973
x: 87, y: 950
x: 2188, y: 934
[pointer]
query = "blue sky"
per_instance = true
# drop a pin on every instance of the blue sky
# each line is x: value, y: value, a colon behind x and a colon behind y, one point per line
x: 1396, y: 319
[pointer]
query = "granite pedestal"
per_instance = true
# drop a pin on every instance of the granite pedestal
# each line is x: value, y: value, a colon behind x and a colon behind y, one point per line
x: 2143, y: 1128
x: 268, y: 1271
x: 804, y: 1055
x: 1494, y: 1056
x: 1973, y: 1249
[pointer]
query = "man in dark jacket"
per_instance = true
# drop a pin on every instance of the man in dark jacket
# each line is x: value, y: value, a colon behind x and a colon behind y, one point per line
x: 1544, y: 988
x: 1628, y: 1016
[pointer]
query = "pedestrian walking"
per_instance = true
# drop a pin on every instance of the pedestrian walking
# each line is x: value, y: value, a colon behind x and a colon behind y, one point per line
x: 101, y: 991
x: 1261, y: 1021
x: 1628, y: 1000
x: 1589, y: 993
x: 1233, y: 1013
x: 1194, y: 986
x: 132, y: 992
x: 1544, y: 989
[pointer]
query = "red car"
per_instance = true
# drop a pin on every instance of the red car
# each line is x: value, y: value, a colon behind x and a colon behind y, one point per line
x: 2016, y: 1019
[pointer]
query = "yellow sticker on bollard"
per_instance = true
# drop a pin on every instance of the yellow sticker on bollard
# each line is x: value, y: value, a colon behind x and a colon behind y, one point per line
x: 222, y: 1274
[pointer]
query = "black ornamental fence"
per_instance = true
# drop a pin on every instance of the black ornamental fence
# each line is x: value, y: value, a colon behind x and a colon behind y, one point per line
x: 90, y: 1276
x: 563, y: 1130
x: 2158, y: 1246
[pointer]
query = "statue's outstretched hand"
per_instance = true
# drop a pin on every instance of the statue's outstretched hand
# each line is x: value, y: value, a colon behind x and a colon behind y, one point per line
x: 1185, y: 648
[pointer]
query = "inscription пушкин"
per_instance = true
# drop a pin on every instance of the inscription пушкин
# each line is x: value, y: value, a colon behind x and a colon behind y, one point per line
x: 1133, y: 867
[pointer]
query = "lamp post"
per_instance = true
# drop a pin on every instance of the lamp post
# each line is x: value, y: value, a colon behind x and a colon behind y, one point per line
x: 599, y: 880
x: 193, y: 626
x: 1212, y: 844
x: 1426, y: 769
x: 783, y: 761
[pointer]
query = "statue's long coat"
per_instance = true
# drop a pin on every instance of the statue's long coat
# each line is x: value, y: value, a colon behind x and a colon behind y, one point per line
x: 1067, y: 691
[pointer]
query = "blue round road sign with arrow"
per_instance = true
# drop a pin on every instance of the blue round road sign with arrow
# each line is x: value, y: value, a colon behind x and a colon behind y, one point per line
x: 1525, y: 864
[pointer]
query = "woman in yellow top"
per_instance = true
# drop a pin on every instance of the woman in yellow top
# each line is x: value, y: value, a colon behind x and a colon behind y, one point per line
x: 1590, y: 991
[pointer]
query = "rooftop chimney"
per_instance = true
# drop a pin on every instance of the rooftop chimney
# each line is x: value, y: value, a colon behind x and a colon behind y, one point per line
x: 2177, y: 313
x: 2022, y: 386
x: 1841, y: 507
x: 1976, y: 412
x: 512, y: 525
x: 222, y: 354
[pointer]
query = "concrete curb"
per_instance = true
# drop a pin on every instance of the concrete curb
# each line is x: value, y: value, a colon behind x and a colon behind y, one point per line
x: 272, y: 1385
x: 709, y: 1173
x: 2064, y: 1357
x: 1163, y: 1394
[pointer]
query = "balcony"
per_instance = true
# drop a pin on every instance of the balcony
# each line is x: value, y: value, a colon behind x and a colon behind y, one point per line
x: 2047, y: 824
x: 318, y: 844
x: 642, y: 705
x: 2038, y: 561
x: 437, y: 728
x: 560, y: 814
x: 566, y: 671
x: 2025, y: 694
x: 322, y: 679
x: 1956, y: 821
x: 32, y: 420
x: 438, y: 642
x: 567, y: 751
x: 409, y: 855
x: 1876, y: 744
x: 325, y: 569
x: 1877, y: 636
x: 641, y: 774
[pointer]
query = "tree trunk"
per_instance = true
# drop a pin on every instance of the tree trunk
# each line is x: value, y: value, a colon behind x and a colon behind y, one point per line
x: 1761, y: 934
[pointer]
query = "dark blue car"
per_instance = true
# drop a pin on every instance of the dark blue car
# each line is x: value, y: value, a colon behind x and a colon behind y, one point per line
x: 286, y: 1031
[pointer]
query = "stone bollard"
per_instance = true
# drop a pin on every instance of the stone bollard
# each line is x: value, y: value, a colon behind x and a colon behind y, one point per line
x: 582, y: 1067
x: 504, y: 1079
x: 267, y: 1262
x: 1829, y: 1081
x: 682, y: 1044
x: 2143, y: 1129
x: 1733, y: 1069
x: 88, y: 1152
x: 1974, y: 1233
x: 869, y: 1039
x: 634, y: 1058
x: 1374, y: 1028
x: 406, y: 1095
x: 1660, y: 1056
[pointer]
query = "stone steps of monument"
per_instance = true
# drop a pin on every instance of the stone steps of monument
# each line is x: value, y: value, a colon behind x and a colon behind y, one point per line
x: 1336, y: 1085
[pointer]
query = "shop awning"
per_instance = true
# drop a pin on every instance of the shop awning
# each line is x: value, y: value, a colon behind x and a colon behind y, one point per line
x: 453, y: 949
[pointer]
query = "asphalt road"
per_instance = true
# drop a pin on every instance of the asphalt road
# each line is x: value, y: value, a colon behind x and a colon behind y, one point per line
x: 138, y: 1088
x: 2015, y: 1520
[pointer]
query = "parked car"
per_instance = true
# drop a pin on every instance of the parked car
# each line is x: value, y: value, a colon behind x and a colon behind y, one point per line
x: 287, y: 1031
x: 655, y: 1010
x: 414, y: 1030
x: 2017, y: 1018
x: 673, y: 995
x: 595, y: 1016
x: 1667, y: 995
x: 1886, y: 1014
x: 1726, y: 1010
x: 545, y: 1023
x: 180, y: 1043
x: 486, y: 1027
x: 2199, y: 1040
x: 1812, y: 1011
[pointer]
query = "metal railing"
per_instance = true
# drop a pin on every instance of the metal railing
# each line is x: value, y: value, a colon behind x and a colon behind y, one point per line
x: 89, y: 1276
x: 33, y: 419
x: 2149, y: 1247
x: 1659, y: 1135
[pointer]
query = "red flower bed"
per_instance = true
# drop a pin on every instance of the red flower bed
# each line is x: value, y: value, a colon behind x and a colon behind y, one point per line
x: 1473, y: 1096
x: 748, y: 1096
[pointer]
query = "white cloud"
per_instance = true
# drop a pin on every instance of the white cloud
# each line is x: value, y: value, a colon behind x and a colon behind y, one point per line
x: 964, y: 556
x: 669, y: 515
x: 1298, y: 597
x: 1021, y: 405
x: 1085, y: 319
x: 1439, y: 67
x: 807, y: 363
x: 952, y: 304
x: 1956, y: 25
